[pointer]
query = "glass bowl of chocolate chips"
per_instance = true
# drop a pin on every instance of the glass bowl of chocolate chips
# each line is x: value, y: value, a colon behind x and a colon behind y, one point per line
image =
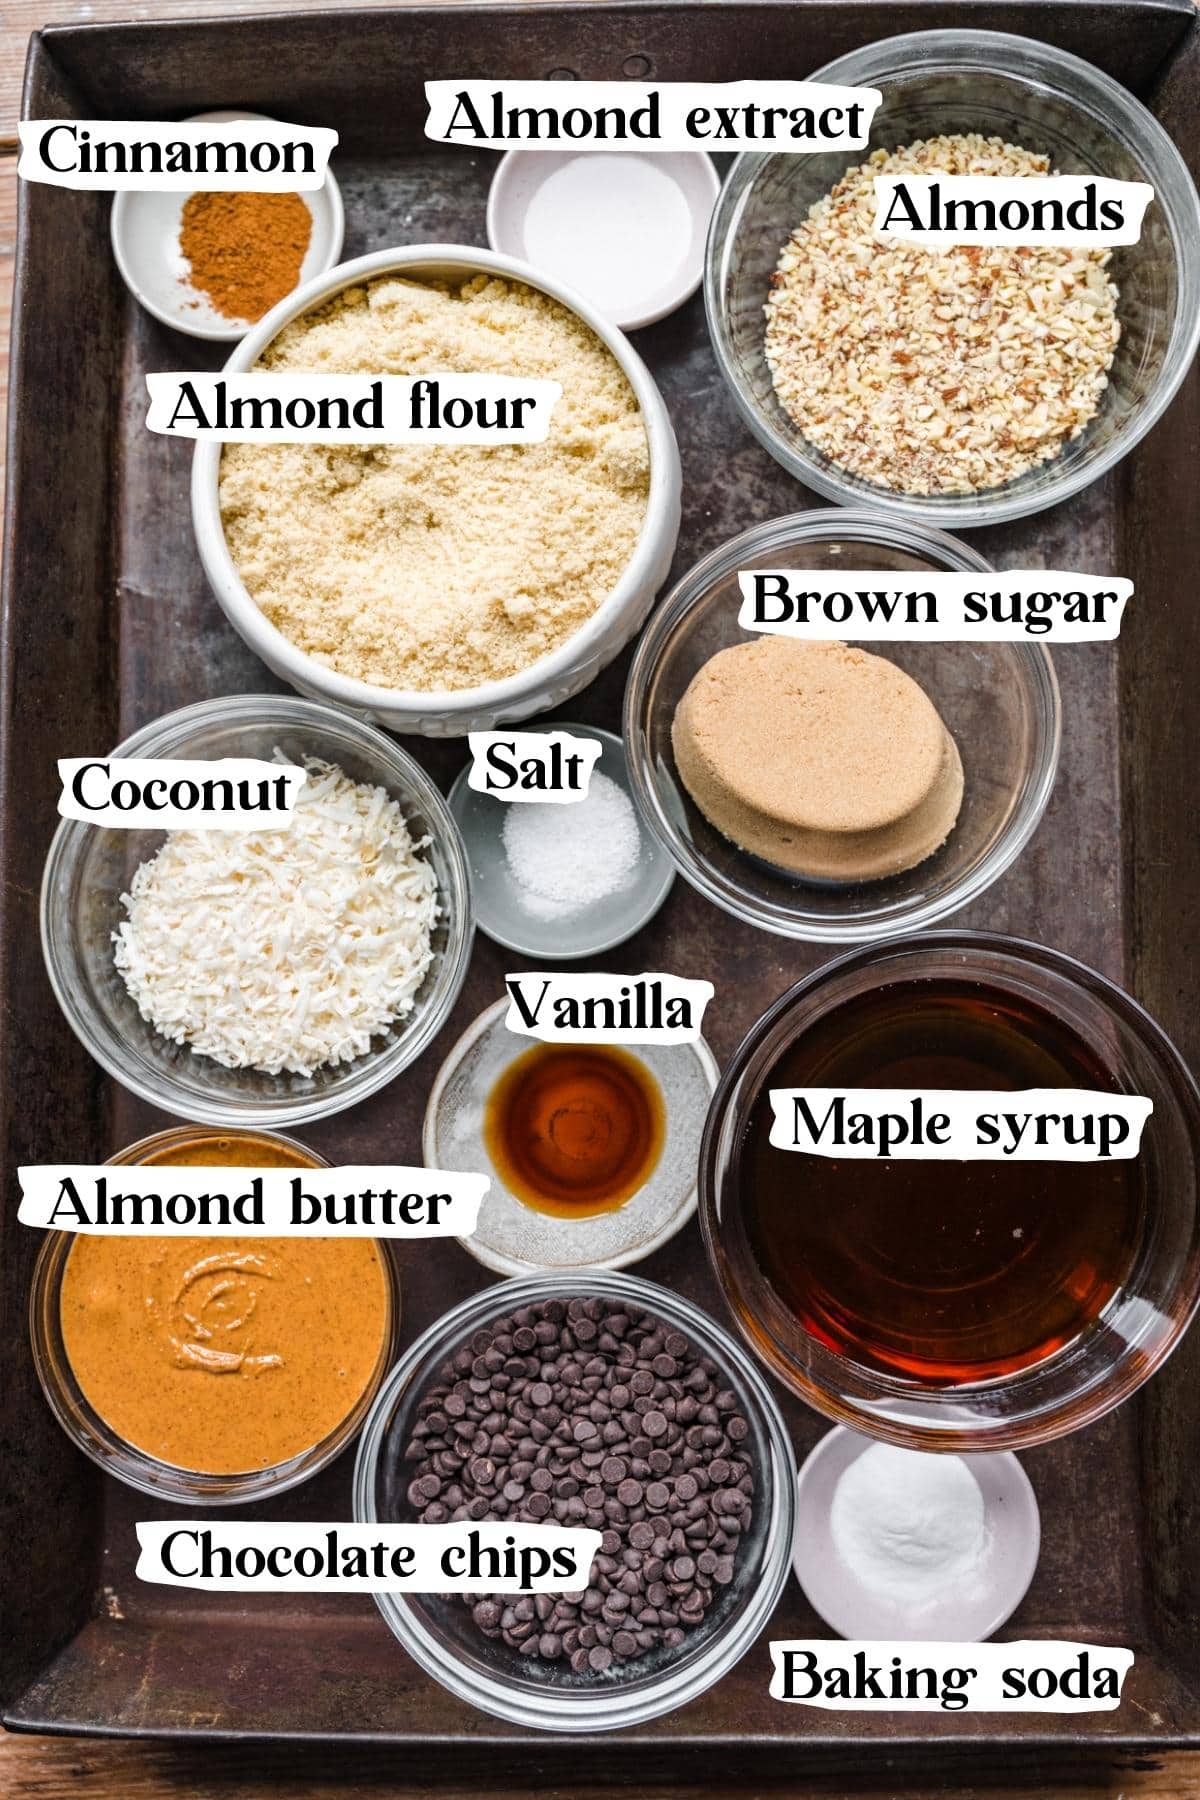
x: 598, y: 1401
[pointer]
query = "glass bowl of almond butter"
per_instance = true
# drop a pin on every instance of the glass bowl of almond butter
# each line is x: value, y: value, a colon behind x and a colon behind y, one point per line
x: 962, y: 386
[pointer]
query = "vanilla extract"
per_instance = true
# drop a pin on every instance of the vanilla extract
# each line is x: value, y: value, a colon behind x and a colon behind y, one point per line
x: 575, y: 1130
x: 944, y: 1271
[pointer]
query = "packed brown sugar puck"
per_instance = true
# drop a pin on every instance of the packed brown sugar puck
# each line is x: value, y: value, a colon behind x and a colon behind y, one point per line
x: 818, y: 757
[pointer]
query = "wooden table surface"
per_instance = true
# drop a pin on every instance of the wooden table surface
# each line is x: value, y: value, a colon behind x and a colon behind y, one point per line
x: 87, y: 1769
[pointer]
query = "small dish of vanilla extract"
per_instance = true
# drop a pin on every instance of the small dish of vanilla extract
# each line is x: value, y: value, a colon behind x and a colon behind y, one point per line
x: 575, y: 1129
x: 590, y: 1149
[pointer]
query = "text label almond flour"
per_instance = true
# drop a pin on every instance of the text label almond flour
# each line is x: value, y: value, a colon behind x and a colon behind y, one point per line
x: 352, y: 409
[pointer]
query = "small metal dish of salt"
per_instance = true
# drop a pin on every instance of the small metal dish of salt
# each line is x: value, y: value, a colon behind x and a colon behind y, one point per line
x: 555, y: 881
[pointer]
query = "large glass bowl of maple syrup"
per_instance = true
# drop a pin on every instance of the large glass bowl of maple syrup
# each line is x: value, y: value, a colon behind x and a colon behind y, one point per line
x: 963, y: 1305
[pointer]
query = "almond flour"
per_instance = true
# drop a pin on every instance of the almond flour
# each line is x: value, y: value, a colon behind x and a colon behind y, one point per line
x: 936, y: 372
x: 442, y: 567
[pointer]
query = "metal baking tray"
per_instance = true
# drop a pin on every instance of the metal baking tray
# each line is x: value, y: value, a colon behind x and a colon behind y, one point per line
x: 108, y: 622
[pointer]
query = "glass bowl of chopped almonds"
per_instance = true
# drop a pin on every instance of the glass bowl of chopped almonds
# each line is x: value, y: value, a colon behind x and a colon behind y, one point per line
x: 971, y: 385
x: 593, y: 1401
x: 264, y: 975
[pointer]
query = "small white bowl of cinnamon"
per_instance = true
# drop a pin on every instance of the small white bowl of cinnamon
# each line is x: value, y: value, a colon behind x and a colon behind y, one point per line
x: 212, y: 263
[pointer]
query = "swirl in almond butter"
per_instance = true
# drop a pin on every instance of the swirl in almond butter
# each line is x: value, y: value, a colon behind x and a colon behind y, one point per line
x: 222, y: 1355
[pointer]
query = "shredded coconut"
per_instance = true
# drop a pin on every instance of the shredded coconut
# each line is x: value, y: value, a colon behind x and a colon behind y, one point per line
x: 564, y: 858
x: 286, y: 949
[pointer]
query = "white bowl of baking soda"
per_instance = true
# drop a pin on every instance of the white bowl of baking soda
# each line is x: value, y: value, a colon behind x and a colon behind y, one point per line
x: 444, y: 588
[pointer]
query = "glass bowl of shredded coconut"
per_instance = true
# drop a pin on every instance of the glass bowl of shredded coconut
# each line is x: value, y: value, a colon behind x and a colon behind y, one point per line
x: 963, y: 386
x: 266, y: 975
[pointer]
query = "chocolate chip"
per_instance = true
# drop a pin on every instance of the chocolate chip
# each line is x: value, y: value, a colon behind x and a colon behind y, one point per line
x: 588, y: 1413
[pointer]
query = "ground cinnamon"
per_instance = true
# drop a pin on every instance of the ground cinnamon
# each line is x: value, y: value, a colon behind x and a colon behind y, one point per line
x: 245, y: 250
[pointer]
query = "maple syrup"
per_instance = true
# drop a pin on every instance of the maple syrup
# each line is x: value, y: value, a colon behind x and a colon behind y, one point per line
x: 574, y: 1129
x: 944, y: 1272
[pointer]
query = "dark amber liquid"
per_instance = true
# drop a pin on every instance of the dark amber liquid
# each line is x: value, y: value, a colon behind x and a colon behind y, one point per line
x: 947, y: 1272
x: 575, y: 1129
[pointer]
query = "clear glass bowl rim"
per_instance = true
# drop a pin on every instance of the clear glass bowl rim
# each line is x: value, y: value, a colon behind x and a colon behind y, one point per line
x: 606, y: 1708
x: 862, y: 526
x: 1015, y: 1432
x: 90, y: 1431
x: 164, y: 737
x: 1027, y: 61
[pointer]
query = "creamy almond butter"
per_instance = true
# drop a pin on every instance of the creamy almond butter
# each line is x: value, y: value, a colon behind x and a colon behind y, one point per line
x: 222, y: 1355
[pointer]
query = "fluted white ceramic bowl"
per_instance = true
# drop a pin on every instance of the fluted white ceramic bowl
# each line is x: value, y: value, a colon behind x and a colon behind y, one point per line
x: 545, y: 683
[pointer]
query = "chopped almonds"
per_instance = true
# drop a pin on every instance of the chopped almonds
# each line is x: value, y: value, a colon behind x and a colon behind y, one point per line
x: 936, y: 371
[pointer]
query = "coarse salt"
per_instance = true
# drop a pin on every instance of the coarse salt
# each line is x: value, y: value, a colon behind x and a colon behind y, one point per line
x: 566, y: 858
x: 287, y: 949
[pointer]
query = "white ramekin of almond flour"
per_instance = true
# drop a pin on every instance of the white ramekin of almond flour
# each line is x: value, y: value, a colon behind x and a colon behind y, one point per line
x: 553, y: 677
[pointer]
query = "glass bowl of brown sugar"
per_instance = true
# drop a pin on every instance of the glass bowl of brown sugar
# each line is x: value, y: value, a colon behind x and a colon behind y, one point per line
x: 997, y: 703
